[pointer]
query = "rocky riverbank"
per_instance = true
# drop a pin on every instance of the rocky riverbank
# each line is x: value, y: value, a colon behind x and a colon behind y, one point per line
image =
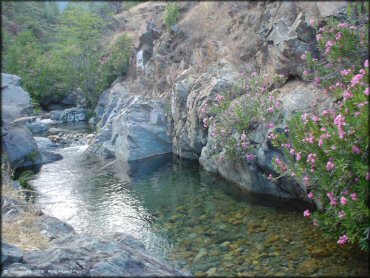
x: 69, y: 254
x: 59, y: 250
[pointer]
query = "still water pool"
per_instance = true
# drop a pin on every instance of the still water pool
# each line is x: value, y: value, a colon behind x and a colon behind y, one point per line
x: 194, y: 219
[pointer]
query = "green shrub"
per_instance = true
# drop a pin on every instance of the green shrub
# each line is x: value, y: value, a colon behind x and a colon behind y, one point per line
x: 171, y: 15
x: 329, y: 152
x: 233, y: 121
x: 118, y: 62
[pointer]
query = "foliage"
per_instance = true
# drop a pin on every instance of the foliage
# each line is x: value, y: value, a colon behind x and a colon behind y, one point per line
x: 330, y: 152
x: 24, y: 179
x: 55, y: 54
x: 233, y: 121
x: 171, y: 15
x: 118, y: 62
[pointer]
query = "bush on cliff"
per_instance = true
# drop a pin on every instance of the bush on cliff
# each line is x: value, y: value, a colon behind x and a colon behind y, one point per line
x: 329, y: 152
x: 170, y: 15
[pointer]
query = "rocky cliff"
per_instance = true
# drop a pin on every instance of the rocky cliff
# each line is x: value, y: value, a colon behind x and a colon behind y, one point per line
x: 157, y: 108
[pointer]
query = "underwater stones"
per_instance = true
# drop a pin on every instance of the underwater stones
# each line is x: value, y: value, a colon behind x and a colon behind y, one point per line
x: 307, y: 267
x: 202, y: 252
x: 212, y: 271
x: 271, y: 238
x: 319, y: 252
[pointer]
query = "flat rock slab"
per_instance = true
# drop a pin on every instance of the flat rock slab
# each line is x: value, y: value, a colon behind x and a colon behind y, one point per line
x: 82, y: 255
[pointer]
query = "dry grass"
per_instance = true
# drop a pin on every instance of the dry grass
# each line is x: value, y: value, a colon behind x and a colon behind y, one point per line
x: 22, y: 230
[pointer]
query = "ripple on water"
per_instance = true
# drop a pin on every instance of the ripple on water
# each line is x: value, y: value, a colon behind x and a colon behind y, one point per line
x: 196, y: 219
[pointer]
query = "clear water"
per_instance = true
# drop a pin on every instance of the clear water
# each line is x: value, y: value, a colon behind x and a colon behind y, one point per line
x: 194, y: 219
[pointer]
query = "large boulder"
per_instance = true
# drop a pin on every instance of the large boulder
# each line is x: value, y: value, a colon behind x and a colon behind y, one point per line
x: 20, y: 147
x: 75, y: 114
x: 296, y: 96
x: 15, y: 101
x: 131, y: 127
x: 37, y: 127
x: 18, y: 144
x: 81, y: 255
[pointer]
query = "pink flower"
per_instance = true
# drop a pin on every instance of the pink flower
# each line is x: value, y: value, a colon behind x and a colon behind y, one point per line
x: 220, y: 98
x: 366, y: 92
x: 318, y: 37
x: 270, y: 109
x: 329, y: 44
x: 343, y: 240
x: 343, y: 25
x: 243, y: 137
x: 366, y: 64
x: 245, y: 145
x: 321, y: 142
x: 270, y: 125
x: 345, y: 72
x: 310, y: 195
x: 278, y: 104
x: 299, y: 156
x: 306, y: 213
x: 330, y: 165
x: 332, y: 199
x: 367, y: 177
x: 317, y: 81
x: 304, y: 57
x: 311, y: 158
x: 354, y: 196
x: 315, y: 118
x: 292, y: 151
x: 270, y: 177
x: 338, y: 36
x: 310, y: 139
x: 250, y: 156
x: 306, y: 181
x: 347, y: 95
x: 315, y: 223
x: 312, y: 22
x: 305, y: 73
x: 341, y: 214
x: 286, y: 130
x: 356, y: 79
x: 356, y: 150
x: 343, y: 200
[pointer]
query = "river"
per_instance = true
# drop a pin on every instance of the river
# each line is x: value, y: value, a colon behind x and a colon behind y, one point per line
x: 192, y: 218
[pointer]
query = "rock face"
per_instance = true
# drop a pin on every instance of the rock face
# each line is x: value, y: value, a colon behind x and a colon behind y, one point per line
x: 186, y: 69
x: 15, y: 101
x: 188, y: 95
x: 132, y: 128
x: 17, y: 141
x: 81, y: 255
x: 296, y: 97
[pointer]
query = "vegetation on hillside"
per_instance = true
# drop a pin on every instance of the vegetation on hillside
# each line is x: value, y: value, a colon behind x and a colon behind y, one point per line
x: 56, y: 53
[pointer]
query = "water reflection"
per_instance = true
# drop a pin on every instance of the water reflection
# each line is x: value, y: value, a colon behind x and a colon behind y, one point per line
x: 181, y: 212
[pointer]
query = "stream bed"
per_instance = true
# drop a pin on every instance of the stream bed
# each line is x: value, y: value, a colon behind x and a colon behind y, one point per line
x: 194, y: 219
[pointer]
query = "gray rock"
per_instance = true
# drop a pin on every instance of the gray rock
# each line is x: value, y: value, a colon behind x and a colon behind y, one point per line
x: 54, y: 131
x: 91, y: 256
x: 12, y: 94
x: 296, y: 97
x: 48, y: 157
x: 20, y: 147
x: 56, y: 115
x: 187, y: 98
x: 131, y: 128
x: 75, y: 99
x: 10, y: 254
x: 44, y: 144
x: 37, y: 127
x: 52, y: 227
x: 75, y: 114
